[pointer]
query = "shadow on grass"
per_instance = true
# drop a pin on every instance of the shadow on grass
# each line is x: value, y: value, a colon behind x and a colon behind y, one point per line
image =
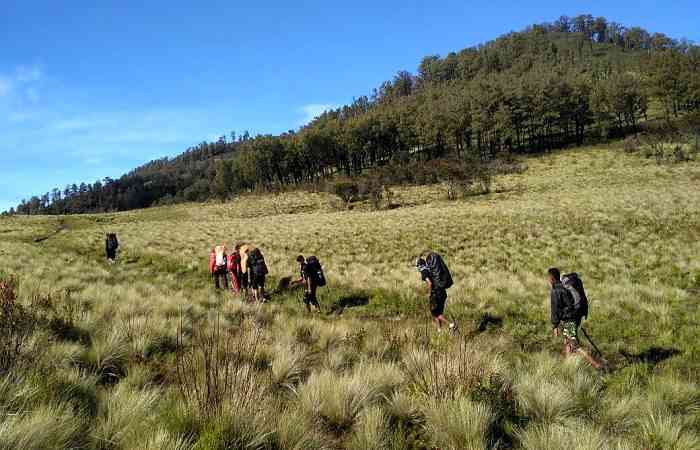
x: 349, y: 301
x: 489, y: 320
x: 652, y: 355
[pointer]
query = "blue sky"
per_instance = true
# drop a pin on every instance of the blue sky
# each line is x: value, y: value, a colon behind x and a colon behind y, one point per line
x: 92, y: 89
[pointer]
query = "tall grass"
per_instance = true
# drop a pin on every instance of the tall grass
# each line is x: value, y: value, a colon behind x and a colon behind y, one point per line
x: 457, y: 423
x: 144, y: 354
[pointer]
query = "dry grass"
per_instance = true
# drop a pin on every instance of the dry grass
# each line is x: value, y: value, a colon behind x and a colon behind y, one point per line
x: 104, y: 375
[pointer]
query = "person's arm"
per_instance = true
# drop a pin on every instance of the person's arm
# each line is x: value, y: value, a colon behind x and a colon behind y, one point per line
x: 425, y: 275
x: 554, y: 305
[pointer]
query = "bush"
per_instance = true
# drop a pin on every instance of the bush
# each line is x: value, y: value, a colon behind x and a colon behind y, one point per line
x: 16, y: 326
x: 215, y: 367
x: 347, y: 190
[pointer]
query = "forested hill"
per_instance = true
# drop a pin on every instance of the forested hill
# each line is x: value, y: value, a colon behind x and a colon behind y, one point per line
x: 548, y: 86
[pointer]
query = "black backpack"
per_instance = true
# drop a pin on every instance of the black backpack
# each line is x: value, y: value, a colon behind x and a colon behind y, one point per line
x: 112, y: 242
x: 573, y: 284
x: 314, y: 271
x: 256, y: 262
x: 439, y: 273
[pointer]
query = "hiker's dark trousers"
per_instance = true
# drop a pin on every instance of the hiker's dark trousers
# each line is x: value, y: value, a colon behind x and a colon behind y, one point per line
x: 220, y: 279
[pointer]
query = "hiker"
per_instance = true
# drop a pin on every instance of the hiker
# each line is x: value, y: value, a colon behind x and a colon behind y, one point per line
x: 567, y: 311
x: 312, y: 277
x: 217, y: 266
x: 254, y: 268
x: 435, y: 273
x: 111, y: 246
x: 234, y: 271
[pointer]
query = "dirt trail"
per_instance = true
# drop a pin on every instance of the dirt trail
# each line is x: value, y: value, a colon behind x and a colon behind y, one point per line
x: 62, y: 225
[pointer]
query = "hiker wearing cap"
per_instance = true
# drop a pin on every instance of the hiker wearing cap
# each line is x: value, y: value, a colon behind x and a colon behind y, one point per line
x: 311, y: 276
x: 217, y: 266
x: 566, y: 316
x: 435, y: 273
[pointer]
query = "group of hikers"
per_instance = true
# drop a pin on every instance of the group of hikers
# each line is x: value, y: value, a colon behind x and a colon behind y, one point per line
x: 244, y: 272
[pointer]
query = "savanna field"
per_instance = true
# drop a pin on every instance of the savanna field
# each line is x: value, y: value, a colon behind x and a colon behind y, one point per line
x: 145, y: 354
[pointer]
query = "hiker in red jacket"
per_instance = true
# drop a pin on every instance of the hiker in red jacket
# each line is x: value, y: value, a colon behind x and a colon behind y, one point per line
x: 234, y: 270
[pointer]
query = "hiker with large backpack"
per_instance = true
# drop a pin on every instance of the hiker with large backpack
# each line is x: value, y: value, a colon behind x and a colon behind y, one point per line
x: 111, y: 246
x: 312, y: 276
x: 435, y: 273
x: 218, y: 266
x: 569, y: 305
x: 253, y: 264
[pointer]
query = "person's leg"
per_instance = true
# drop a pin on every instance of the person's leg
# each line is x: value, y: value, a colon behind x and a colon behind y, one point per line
x: 437, y: 303
x: 307, y: 301
x: 595, y: 364
x: 314, y: 300
x: 215, y: 277
x: 261, y: 285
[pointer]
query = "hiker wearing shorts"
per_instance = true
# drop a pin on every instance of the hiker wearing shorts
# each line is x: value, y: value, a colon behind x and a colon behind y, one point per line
x: 565, y: 321
x: 429, y: 269
x: 310, y: 284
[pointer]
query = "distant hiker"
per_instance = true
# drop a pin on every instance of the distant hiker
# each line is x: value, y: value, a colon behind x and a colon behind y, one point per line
x: 111, y: 246
x: 567, y: 310
x: 312, y: 276
x: 217, y: 266
x: 253, y: 267
x: 435, y: 273
x: 234, y: 271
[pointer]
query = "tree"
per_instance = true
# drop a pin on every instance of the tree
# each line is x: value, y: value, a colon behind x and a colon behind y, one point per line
x: 222, y: 180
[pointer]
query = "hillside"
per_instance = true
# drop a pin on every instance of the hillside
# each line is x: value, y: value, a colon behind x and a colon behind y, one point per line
x: 110, y: 364
x: 550, y: 86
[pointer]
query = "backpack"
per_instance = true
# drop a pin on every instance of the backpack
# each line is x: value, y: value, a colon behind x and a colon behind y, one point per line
x: 256, y: 262
x: 112, y: 242
x: 573, y: 284
x: 314, y: 271
x: 439, y: 273
x: 220, y: 256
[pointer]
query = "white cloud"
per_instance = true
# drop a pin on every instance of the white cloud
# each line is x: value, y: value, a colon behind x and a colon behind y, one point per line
x: 19, y: 88
x: 313, y: 110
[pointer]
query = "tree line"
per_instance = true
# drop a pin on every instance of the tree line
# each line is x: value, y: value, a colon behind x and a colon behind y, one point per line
x: 549, y: 86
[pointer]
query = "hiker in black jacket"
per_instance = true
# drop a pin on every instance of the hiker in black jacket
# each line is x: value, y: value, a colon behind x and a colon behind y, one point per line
x: 565, y: 321
x: 111, y: 246
x: 310, y: 284
x: 435, y: 273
